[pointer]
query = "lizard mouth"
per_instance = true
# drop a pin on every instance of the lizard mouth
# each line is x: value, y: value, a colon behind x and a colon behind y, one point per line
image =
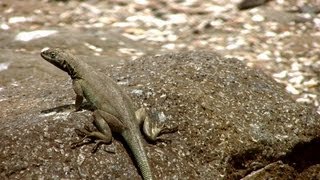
x: 45, y: 56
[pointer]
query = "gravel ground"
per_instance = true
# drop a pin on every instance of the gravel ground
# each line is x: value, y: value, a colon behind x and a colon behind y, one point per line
x: 281, y: 38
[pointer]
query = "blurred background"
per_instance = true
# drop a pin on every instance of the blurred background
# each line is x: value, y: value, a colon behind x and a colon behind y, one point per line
x: 279, y: 37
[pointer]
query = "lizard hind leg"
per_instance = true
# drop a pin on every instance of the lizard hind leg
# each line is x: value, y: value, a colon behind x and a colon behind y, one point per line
x: 102, y: 136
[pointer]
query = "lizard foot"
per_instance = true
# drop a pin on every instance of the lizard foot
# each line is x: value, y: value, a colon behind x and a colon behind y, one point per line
x: 162, y: 129
x: 84, y: 135
x: 93, y: 136
x: 151, y: 128
x: 167, y: 130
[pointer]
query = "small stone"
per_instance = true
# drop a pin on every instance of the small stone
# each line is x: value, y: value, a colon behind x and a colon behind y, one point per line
x: 28, y: 36
x: 311, y: 83
x: 292, y: 89
x: 281, y: 74
x: 257, y: 18
x: 264, y: 56
x: 4, y: 26
x: 137, y: 92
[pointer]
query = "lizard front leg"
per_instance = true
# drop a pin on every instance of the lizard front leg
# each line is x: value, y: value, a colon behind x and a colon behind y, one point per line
x: 104, y: 122
x: 150, y: 127
x: 79, y: 93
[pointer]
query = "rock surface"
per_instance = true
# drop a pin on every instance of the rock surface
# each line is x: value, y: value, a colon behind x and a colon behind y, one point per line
x: 233, y: 121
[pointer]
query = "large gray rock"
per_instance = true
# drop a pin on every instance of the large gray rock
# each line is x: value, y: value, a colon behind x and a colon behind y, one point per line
x: 233, y: 121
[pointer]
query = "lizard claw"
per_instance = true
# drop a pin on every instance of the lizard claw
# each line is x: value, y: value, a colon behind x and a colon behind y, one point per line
x: 80, y: 133
x: 83, y: 132
x: 86, y: 127
x: 167, y: 130
x: 80, y: 143
x: 98, y: 144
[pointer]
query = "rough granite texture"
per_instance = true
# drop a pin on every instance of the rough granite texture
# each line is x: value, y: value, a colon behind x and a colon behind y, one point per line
x: 233, y: 121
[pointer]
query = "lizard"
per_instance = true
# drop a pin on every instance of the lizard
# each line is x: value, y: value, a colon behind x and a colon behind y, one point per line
x: 114, y: 109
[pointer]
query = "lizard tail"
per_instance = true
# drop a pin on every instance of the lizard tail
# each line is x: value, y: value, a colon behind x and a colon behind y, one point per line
x: 137, y: 149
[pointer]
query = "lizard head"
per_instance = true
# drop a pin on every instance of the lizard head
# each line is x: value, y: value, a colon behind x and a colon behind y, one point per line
x: 61, y: 59
x: 56, y: 57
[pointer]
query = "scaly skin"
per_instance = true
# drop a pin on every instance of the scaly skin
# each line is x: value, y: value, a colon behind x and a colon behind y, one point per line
x: 115, y: 110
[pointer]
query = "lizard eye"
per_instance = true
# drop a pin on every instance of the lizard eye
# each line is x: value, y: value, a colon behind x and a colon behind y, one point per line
x: 53, y: 55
